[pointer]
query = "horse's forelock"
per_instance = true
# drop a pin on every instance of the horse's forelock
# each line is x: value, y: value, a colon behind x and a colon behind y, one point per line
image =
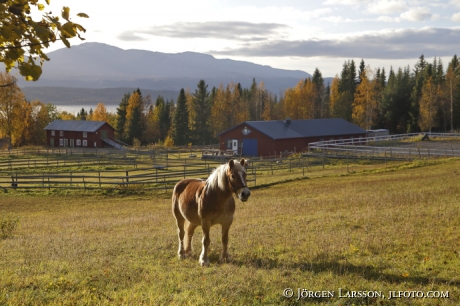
x: 218, y: 178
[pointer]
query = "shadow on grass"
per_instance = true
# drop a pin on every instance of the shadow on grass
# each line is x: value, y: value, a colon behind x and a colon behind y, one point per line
x: 341, y: 267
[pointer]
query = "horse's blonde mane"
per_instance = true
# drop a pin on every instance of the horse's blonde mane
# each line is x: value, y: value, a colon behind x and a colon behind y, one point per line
x: 217, y: 179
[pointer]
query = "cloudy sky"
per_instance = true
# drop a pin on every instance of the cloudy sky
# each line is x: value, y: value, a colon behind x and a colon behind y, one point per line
x: 288, y: 34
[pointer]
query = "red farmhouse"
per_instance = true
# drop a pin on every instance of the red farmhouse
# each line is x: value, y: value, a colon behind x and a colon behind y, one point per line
x: 80, y: 134
x: 271, y: 138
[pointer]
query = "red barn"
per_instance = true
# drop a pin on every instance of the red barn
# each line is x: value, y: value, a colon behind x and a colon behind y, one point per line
x: 271, y: 138
x: 80, y: 134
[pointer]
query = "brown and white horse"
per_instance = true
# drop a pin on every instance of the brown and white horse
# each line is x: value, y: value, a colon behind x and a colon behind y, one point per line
x: 204, y: 203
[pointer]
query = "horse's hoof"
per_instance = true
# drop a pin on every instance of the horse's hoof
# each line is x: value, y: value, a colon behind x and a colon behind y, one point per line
x: 225, y: 259
x: 204, y: 263
x: 181, y: 255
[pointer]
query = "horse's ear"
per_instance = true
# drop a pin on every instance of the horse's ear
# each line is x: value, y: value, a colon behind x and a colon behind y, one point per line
x: 231, y: 162
x: 242, y: 162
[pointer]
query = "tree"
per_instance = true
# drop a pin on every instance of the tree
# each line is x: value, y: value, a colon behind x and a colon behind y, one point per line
x: 100, y: 113
x: 320, y: 106
x: 452, y: 86
x: 121, y: 117
x: 134, y: 125
x: 428, y: 106
x: 22, y: 39
x: 201, y: 110
x: 365, y: 102
x: 10, y: 100
x: 180, y: 130
x: 420, y: 72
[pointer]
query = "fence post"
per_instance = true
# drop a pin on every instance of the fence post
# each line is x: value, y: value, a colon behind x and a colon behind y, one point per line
x: 127, y: 179
x: 99, y: 175
x: 323, y: 158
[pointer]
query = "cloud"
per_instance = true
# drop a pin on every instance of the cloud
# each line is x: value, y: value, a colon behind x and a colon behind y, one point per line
x: 386, y: 7
x: 387, y: 44
x: 344, y: 2
x: 231, y: 30
x: 455, y: 17
x: 455, y: 3
x: 416, y: 14
x: 129, y: 36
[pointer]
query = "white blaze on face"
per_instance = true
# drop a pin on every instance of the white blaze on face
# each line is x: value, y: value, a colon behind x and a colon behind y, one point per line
x: 243, y: 192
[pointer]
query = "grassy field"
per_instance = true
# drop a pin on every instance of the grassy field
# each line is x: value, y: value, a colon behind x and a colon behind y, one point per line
x: 382, y: 232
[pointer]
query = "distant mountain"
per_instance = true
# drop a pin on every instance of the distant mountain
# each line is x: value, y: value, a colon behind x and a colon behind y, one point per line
x: 88, y: 97
x: 97, y: 65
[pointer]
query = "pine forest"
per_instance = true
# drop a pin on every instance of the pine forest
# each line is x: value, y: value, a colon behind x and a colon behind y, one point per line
x: 425, y: 98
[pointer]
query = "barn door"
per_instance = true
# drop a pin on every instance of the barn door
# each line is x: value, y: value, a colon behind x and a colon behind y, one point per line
x: 250, y: 147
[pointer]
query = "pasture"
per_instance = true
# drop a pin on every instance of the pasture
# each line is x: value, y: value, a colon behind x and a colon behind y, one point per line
x: 371, y: 232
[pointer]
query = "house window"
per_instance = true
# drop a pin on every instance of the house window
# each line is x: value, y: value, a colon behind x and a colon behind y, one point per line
x: 229, y: 144
x: 78, y: 142
x: 61, y: 142
x: 94, y: 144
x: 53, y: 133
x: 85, y: 134
x: 61, y: 133
x: 85, y: 143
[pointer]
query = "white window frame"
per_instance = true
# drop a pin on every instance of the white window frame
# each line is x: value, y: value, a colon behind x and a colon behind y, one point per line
x: 53, y: 133
x: 85, y: 134
x: 61, y: 142
x: 85, y: 142
x: 61, y: 133
x: 78, y: 142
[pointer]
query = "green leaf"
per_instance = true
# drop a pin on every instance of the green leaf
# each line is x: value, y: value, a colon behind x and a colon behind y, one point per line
x: 31, y: 72
x: 65, y: 13
x: 65, y: 41
x: 68, y: 30
x: 83, y: 15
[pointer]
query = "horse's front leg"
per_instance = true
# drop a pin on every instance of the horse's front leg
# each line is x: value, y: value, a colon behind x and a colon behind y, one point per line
x: 225, y: 228
x: 204, y: 260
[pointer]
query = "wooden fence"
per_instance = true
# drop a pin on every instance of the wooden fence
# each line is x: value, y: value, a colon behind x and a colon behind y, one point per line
x: 161, y: 174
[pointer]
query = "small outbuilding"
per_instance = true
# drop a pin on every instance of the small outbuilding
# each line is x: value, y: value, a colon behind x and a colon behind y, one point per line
x: 80, y: 134
x: 274, y: 138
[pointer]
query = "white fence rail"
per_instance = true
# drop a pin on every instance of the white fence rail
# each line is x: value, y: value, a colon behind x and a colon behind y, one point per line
x: 359, y: 147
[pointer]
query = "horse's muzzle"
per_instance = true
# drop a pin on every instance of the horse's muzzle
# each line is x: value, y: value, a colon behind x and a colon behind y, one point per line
x: 244, y: 195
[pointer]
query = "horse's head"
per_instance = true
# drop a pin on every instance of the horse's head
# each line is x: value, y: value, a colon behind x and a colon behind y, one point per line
x: 236, y: 175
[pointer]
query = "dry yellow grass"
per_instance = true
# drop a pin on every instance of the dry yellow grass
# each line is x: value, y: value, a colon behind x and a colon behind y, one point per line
x: 395, y: 230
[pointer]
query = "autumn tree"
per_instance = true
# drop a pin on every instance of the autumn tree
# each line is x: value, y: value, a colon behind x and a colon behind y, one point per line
x: 365, y: 102
x: 11, y: 98
x: 100, y: 113
x: 428, y: 107
x: 134, y: 124
x: 22, y: 39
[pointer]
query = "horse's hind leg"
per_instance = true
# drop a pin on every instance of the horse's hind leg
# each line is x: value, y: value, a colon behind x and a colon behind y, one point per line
x: 180, y: 220
x: 189, y: 230
x: 225, y: 228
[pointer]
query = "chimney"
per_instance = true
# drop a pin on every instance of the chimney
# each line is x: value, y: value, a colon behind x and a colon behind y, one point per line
x: 83, y: 118
x: 288, y: 121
